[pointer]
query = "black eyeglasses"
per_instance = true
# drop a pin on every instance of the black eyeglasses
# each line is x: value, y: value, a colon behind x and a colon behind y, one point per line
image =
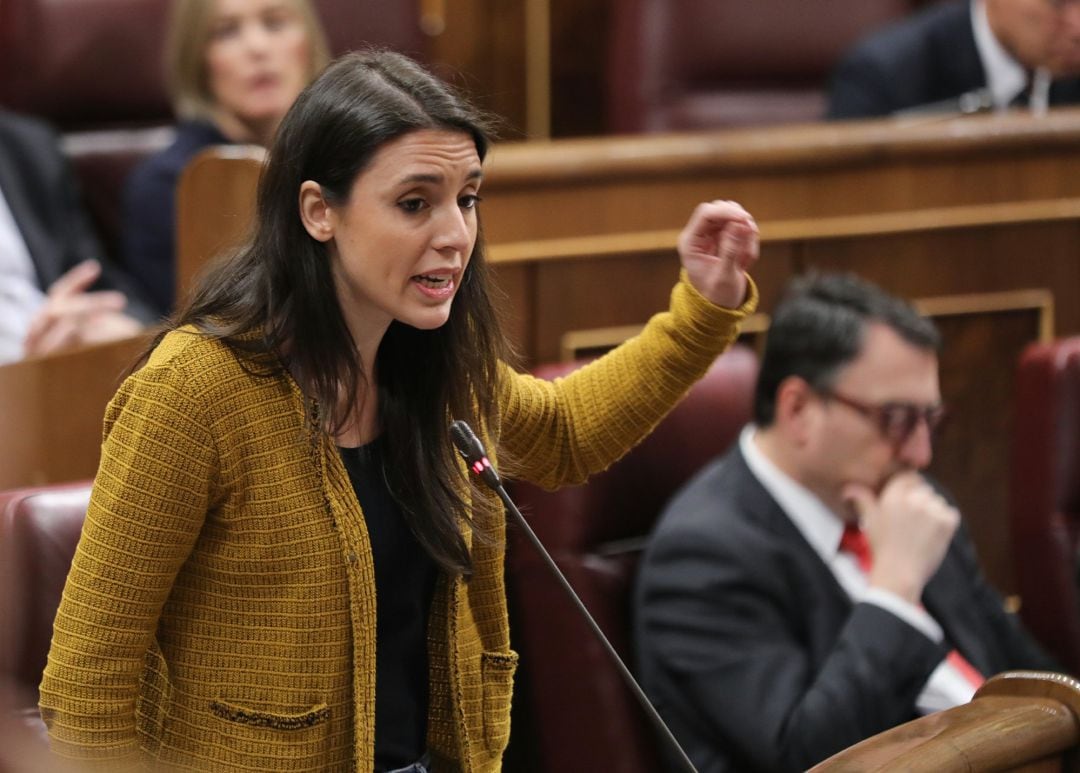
x: 895, y: 421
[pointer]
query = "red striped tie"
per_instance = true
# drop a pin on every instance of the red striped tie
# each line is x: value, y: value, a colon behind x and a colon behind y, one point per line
x: 854, y: 541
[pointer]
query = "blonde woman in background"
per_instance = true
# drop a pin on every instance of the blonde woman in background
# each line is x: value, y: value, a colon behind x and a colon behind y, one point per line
x: 234, y: 67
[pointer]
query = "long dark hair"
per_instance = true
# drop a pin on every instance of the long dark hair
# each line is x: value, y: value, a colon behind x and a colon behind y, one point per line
x: 274, y: 301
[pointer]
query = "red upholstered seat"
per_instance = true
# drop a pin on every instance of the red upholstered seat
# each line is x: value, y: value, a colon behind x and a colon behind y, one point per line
x: 699, y: 64
x: 92, y: 69
x: 1045, y: 495
x: 39, y: 529
x: 583, y: 716
x: 84, y: 63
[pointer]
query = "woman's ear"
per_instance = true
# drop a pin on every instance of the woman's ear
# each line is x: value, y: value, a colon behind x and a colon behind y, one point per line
x: 315, y: 212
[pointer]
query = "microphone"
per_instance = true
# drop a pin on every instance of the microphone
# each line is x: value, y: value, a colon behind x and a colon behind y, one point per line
x: 975, y: 101
x: 472, y: 451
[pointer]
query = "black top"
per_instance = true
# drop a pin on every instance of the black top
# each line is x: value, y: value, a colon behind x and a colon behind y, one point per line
x: 404, y: 587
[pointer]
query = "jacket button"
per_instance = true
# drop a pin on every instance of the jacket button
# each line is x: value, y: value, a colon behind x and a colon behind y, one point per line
x: 352, y: 557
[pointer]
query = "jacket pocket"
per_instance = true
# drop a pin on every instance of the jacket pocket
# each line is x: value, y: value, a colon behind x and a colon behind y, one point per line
x: 247, y: 738
x: 498, y: 675
x: 242, y: 715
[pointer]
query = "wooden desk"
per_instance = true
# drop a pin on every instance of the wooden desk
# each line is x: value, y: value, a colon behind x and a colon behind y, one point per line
x: 53, y: 409
x: 570, y: 188
x: 540, y: 192
x: 557, y: 287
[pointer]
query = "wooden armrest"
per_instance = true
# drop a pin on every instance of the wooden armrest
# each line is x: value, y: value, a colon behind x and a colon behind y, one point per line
x: 1015, y: 720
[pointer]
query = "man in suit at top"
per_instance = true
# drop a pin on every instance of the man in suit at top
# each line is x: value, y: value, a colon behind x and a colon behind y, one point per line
x: 49, y: 256
x: 772, y: 632
x: 964, y: 55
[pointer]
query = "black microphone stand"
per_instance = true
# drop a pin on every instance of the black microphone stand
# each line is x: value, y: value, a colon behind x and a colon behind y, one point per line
x: 472, y: 451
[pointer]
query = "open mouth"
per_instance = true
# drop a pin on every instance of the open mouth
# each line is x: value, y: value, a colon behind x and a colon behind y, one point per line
x: 433, y: 282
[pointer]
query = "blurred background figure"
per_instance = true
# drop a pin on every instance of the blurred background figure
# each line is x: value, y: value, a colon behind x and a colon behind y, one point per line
x: 234, y: 67
x: 964, y: 56
x: 50, y: 259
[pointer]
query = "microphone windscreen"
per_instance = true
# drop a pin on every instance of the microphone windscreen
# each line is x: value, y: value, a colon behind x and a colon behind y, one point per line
x: 466, y: 441
x: 472, y: 450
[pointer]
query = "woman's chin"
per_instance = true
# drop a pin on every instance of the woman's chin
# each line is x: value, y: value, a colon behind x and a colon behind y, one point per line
x: 428, y: 321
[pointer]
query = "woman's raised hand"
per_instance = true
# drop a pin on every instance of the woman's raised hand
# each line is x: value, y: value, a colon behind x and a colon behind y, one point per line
x: 717, y: 246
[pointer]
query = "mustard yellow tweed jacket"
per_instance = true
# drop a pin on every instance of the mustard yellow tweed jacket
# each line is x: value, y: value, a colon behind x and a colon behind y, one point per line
x: 220, y: 610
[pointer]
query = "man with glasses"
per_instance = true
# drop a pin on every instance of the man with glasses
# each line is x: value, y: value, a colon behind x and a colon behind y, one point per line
x: 811, y: 588
x: 964, y: 56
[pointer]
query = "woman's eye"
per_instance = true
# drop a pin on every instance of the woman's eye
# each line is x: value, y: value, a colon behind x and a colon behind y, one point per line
x: 469, y: 201
x: 275, y: 21
x: 224, y: 30
x: 412, y: 205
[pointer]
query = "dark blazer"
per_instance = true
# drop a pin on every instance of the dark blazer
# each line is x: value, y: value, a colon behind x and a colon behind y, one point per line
x: 150, y: 212
x: 929, y: 58
x: 755, y: 655
x: 40, y: 189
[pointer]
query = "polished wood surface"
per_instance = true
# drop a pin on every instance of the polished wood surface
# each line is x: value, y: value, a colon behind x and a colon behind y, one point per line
x: 582, y: 283
x: 1017, y: 721
x: 569, y: 188
x: 483, y: 50
x: 563, y: 191
x: 215, y: 206
x: 53, y: 410
x: 982, y: 337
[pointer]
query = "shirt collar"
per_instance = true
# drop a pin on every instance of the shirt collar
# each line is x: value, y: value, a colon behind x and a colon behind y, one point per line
x: 1005, y: 77
x: 819, y: 525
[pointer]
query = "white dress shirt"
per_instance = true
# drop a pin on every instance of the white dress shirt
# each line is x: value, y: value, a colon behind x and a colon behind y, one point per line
x: 822, y: 529
x: 1005, y: 77
x: 20, y: 295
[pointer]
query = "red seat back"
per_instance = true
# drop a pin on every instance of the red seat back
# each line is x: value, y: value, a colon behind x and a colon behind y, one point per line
x: 700, y: 64
x: 1044, y: 495
x: 39, y: 529
x: 583, y: 715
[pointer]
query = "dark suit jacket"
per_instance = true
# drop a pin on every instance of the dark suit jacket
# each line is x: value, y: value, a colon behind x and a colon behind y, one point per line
x: 928, y: 58
x: 755, y: 655
x: 40, y: 189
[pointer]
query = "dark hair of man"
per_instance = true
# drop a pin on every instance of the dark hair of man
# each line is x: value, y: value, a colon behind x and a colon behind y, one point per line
x: 818, y: 328
x: 274, y: 301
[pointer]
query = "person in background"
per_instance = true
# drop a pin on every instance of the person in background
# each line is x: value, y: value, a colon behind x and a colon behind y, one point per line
x: 233, y: 68
x: 964, y: 56
x: 57, y: 289
x: 284, y: 565
x: 812, y: 588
